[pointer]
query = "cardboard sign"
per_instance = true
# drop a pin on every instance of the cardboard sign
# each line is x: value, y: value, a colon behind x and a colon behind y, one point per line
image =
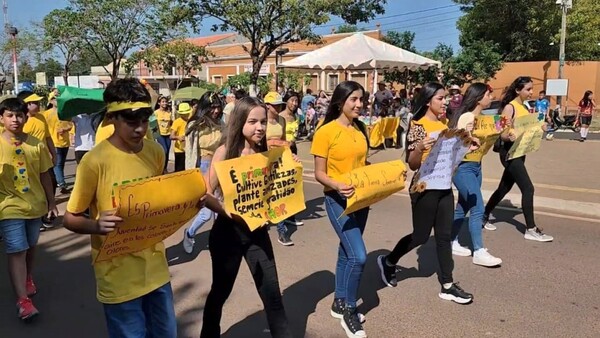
x: 152, y: 210
x: 487, y: 128
x: 261, y: 188
x: 374, y: 183
x: 445, y: 155
x: 529, y: 136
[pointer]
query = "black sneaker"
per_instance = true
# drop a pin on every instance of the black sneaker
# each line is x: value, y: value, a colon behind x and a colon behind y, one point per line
x: 64, y: 189
x: 284, y: 239
x: 456, y: 294
x: 352, y: 325
x: 337, y: 310
x: 388, y: 273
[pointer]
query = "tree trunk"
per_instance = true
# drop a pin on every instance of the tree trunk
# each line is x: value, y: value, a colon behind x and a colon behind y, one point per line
x: 66, y: 75
x: 257, y: 62
x: 115, y: 70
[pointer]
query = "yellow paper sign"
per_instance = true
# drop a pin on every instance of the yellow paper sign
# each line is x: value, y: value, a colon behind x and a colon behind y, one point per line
x: 487, y: 129
x: 261, y: 188
x: 374, y: 183
x: 152, y: 210
x: 529, y: 136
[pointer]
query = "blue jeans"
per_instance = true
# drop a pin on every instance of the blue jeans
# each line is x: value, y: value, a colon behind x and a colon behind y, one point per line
x: 467, y: 179
x: 205, y: 214
x: 165, y: 143
x: 352, y: 253
x: 20, y: 234
x: 149, y: 316
x: 59, y: 168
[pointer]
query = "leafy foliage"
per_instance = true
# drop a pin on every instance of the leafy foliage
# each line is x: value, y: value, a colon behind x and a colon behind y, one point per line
x: 56, y: 35
x: 244, y: 81
x: 180, y: 54
x: 293, y: 79
x: 583, y: 31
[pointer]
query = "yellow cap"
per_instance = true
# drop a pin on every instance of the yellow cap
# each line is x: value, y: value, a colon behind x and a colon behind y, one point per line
x: 273, y: 98
x: 33, y: 98
x: 184, y: 108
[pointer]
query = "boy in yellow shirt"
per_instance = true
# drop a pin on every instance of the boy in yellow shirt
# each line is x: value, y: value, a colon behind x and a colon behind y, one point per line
x: 134, y: 288
x: 178, y: 135
x: 26, y: 195
x: 59, y: 132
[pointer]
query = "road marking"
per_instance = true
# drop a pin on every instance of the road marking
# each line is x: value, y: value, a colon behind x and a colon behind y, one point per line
x: 544, y: 213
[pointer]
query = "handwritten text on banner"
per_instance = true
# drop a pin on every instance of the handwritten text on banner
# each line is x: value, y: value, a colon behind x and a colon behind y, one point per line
x: 150, y: 214
x: 260, y: 188
x: 529, y: 136
x: 374, y: 183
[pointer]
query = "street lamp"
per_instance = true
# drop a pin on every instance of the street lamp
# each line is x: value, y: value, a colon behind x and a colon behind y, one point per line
x: 13, y: 31
x: 278, y: 56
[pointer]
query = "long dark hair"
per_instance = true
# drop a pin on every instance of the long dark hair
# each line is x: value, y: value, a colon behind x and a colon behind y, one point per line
x: 511, y: 93
x: 473, y: 95
x: 288, y: 96
x: 422, y: 98
x: 339, y: 97
x: 203, y: 116
x: 586, y: 98
x: 234, y: 136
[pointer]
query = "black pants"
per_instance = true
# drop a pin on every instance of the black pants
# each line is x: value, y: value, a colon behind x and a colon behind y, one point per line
x: 229, y: 242
x: 179, y: 162
x: 514, y: 172
x: 79, y: 155
x: 430, y: 209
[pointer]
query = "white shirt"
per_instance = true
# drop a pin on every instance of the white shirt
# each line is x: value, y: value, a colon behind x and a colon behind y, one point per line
x: 85, y: 136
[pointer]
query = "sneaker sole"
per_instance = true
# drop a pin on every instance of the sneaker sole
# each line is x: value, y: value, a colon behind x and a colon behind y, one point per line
x: 531, y: 238
x: 447, y: 296
x: 489, y: 265
x: 381, y: 273
x: 491, y: 228
x: 461, y: 254
x: 336, y: 315
x: 285, y: 244
x: 349, y: 333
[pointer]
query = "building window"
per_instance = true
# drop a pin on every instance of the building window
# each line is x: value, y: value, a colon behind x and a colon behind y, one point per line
x: 218, y: 80
x: 332, y: 81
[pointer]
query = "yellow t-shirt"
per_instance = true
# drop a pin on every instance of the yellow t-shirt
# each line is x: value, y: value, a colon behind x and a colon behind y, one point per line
x: 61, y: 140
x: 14, y: 202
x: 106, y: 129
x: 209, y: 140
x: 164, y: 121
x: 421, y: 129
x: 129, y: 276
x: 37, y: 127
x: 520, y: 109
x: 291, y: 128
x: 179, y: 128
x: 485, y: 130
x: 345, y: 148
x: 275, y: 130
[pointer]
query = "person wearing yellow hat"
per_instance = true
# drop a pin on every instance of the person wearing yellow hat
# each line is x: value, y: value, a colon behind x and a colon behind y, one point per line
x: 59, y: 132
x: 178, y: 134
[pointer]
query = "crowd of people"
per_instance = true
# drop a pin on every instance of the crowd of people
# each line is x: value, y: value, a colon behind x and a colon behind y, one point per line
x: 131, y: 139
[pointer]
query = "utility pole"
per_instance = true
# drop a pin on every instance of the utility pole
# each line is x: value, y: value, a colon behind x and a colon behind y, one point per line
x: 564, y: 5
x: 12, y: 32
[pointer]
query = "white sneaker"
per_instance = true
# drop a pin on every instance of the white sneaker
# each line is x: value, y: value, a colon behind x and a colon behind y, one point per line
x: 536, y: 234
x: 489, y: 226
x: 458, y: 250
x: 188, y: 242
x: 482, y: 257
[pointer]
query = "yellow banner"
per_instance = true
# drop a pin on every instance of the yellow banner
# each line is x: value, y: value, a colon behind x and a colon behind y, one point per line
x: 529, y: 136
x: 152, y: 210
x: 374, y: 183
x: 487, y: 129
x: 261, y: 188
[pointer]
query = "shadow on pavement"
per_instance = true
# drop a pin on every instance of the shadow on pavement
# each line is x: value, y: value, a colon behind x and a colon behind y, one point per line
x: 66, y: 295
x: 508, y: 216
x: 300, y: 300
x: 314, y: 209
x: 176, y: 255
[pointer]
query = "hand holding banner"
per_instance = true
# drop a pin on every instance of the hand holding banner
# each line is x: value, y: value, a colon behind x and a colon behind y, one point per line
x: 447, y: 152
x: 150, y: 214
x: 374, y: 183
x: 529, y: 136
x: 261, y: 188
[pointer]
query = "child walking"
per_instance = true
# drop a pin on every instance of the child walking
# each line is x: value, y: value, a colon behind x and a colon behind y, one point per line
x: 26, y: 194
x: 178, y: 135
x: 135, y: 288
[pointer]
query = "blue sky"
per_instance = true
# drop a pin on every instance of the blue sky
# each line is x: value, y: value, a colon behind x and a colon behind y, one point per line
x: 433, y: 21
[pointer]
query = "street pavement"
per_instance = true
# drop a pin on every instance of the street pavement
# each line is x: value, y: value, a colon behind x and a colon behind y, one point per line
x: 542, y: 289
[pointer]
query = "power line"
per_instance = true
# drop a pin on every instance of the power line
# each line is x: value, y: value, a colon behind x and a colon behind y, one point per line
x: 422, y: 24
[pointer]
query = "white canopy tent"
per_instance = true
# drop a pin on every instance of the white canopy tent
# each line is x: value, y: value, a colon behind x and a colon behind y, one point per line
x: 360, y: 52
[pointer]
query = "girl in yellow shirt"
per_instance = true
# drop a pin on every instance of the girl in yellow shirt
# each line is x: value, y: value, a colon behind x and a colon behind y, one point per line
x: 134, y: 288
x: 230, y: 239
x: 164, y: 119
x: 431, y: 209
x: 339, y: 146
x: 178, y: 135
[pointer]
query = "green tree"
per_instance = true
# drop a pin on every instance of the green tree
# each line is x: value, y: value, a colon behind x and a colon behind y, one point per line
x: 244, y: 81
x: 117, y: 27
x: 56, y: 35
x: 51, y: 67
x: 86, y: 60
x: 404, y: 40
x: 345, y: 28
x: 583, y: 31
x: 292, y: 79
x: 269, y: 24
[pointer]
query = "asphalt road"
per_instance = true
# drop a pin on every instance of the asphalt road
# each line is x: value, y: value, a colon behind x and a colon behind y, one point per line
x: 541, y: 290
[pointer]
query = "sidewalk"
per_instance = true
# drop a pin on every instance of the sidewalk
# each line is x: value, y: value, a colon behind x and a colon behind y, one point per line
x: 564, y: 176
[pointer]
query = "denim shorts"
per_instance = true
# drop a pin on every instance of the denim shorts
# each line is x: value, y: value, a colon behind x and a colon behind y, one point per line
x: 20, y: 234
